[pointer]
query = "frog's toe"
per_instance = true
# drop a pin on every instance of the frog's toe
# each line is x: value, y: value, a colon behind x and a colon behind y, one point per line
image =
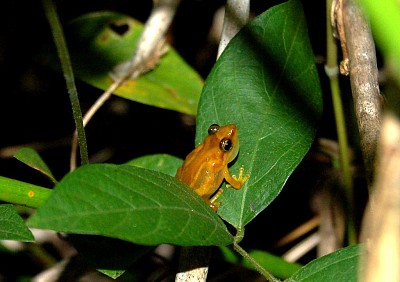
x: 242, y: 179
x: 214, y: 204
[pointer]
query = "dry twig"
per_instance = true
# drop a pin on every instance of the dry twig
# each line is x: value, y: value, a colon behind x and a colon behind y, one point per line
x: 357, y: 43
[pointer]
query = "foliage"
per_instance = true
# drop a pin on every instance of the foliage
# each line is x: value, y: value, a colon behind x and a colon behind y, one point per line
x: 272, y: 87
x: 266, y: 82
x: 12, y: 225
x: 337, y: 266
x: 110, y: 38
x: 130, y: 203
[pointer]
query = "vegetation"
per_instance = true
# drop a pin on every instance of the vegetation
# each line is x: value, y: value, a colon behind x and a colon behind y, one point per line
x: 120, y: 208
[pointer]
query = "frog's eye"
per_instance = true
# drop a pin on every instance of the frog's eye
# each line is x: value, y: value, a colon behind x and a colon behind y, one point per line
x: 225, y: 144
x: 214, y: 128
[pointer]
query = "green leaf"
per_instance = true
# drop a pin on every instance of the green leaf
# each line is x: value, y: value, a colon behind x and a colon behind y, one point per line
x: 265, y: 82
x: 338, y: 266
x: 12, y: 227
x: 32, y: 158
x: 114, y: 274
x: 101, y: 40
x: 229, y: 255
x: 133, y: 204
x: 159, y: 162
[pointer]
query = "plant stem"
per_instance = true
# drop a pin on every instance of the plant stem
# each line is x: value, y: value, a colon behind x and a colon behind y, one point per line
x: 344, y: 156
x: 62, y: 50
x: 22, y: 193
x: 255, y: 264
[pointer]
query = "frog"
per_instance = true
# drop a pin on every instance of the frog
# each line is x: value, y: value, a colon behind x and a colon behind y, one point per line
x: 206, y: 167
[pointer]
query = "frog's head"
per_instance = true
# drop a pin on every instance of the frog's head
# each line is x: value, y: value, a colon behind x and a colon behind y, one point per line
x: 228, y: 140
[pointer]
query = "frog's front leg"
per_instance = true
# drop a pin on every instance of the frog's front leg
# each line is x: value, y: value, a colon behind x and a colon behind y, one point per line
x: 236, y: 182
x: 233, y: 181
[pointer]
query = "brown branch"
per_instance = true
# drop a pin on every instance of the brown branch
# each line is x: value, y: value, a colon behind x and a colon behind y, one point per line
x: 359, y: 46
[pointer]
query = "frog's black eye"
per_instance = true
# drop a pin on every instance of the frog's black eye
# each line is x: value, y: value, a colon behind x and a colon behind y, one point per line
x: 225, y: 144
x: 214, y: 128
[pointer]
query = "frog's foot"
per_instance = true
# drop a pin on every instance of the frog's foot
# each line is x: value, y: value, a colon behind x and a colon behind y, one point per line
x: 214, y: 206
x: 213, y: 201
x: 240, y: 179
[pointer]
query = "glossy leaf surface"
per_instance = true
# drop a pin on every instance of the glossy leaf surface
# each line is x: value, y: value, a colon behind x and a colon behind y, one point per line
x: 132, y: 204
x: 265, y: 82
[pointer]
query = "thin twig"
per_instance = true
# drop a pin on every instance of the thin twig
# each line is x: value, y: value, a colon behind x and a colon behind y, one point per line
x: 298, y: 231
x: 332, y: 73
x: 302, y: 248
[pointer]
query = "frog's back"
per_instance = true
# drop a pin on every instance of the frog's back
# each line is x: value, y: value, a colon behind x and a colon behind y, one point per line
x: 200, y: 173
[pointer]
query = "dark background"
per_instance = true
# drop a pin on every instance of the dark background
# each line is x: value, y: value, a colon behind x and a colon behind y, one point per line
x: 35, y: 108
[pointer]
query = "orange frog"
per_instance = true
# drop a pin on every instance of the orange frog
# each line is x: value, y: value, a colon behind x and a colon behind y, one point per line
x: 206, y: 166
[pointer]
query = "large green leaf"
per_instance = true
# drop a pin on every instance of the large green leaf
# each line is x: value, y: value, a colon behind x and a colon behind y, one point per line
x: 12, y: 226
x: 265, y: 82
x: 340, y: 266
x: 101, y: 40
x: 132, y: 204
